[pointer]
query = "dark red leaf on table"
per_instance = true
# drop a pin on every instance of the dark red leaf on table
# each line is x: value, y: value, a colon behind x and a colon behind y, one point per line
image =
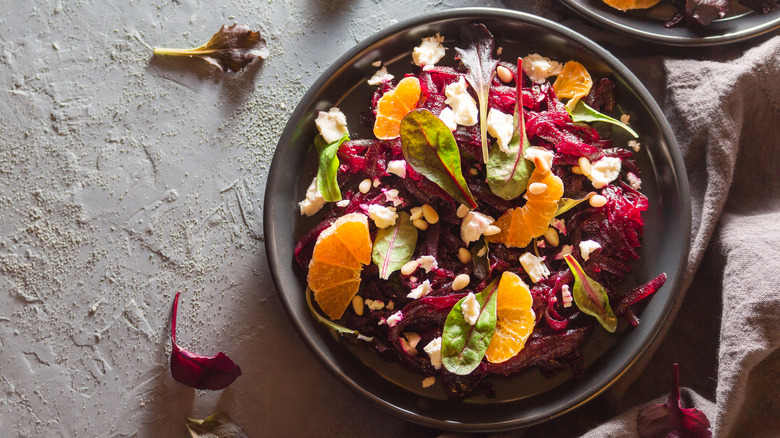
x: 197, y: 371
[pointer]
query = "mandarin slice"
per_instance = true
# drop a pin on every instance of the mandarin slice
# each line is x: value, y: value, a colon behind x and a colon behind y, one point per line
x: 394, y: 105
x: 515, y: 319
x: 520, y: 225
x: 573, y: 82
x: 625, y: 5
x: 335, y: 300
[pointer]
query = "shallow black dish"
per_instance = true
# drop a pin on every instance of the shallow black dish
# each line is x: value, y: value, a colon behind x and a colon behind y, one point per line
x: 739, y: 24
x: 527, y: 398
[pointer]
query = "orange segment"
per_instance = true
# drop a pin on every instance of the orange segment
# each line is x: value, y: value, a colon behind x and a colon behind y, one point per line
x: 394, y: 105
x: 515, y: 319
x: 625, y: 5
x: 520, y: 225
x: 573, y: 82
x: 339, y: 255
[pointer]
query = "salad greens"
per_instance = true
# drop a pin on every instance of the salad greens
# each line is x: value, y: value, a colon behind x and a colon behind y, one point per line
x: 327, y: 183
x: 583, y: 113
x: 590, y: 296
x: 394, y: 246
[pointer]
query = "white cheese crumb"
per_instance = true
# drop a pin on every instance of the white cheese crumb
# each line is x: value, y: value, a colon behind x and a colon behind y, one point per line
x: 397, y: 167
x: 412, y: 338
x: 332, y: 125
x: 429, y: 52
x: 428, y: 263
x: 374, y: 304
x: 391, y: 195
x: 633, y: 144
x: 473, y: 225
x: 380, y: 76
x: 538, y: 68
x: 587, y: 247
x: 559, y: 224
x: 501, y: 126
x: 376, y: 182
x: 543, y: 153
x: 420, y: 291
x: 395, y: 318
x: 566, y: 294
x: 604, y: 171
x: 635, y: 181
x: 433, y: 349
x: 463, y: 105
x: 534, y: 266
x: 448, y: 117
x: 470, y: 309
x: 428, y: 381
x: 565, y: 250
x: 408, y: 349
x: 343, y: 203
x: 383, y: 217
x: 313, y: 201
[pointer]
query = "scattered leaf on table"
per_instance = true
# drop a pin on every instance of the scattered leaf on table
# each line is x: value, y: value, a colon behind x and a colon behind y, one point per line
x: 327, y: 172
x: 590, y: 296
x: 394, y: 246
x: 218, y: 425
x: 670, y: 419
x: 201, y: 372
x: 480, y: 65
x: 583, y: 113
x: 232, y: 48
x: 430, y: 148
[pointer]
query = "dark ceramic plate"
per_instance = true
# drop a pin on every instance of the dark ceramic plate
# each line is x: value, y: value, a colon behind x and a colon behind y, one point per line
x: 526, y: 398
x: 739, y: 24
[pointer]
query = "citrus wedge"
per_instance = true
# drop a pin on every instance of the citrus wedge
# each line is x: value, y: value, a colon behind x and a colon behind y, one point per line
x: 394, y: 105
x: 515, y: 319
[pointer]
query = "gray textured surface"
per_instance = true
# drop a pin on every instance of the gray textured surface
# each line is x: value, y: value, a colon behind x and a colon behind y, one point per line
x: 124, y: 179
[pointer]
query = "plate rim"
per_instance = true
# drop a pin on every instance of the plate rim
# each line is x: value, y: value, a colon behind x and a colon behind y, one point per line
x: 476, y: 13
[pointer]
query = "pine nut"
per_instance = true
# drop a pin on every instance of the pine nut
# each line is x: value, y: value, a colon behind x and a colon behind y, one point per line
x: 409, y: 267
x: 597, y: 201
x: 544, y: 166
x: 357, y: 305
x: 420, y: 224
x: 491, y: 230
x: 416, y: 213
x: 461, y: 281
x: 430, y: 214
x: 576, y: 170
x: 464, y: 255
x: 584, y: 165
x: 463, y: 210
x: 551, y: 236
x: 537, y: 188
x: 504, y: 74
x: 365, y: 186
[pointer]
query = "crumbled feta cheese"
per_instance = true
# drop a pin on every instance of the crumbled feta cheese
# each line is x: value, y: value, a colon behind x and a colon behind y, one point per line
x: 433, y: 349
x: 538, y: 68
x: 470, y: 309
x: 559, y: 224
x: 408, y: 349
x: 391, y: 195
x: 635, y: 181
x: 473, y: 225
x: 463, y: 105
x: 543, y: 153
x: 412, y: 338
x: 534, y: 266
x: 415, y: 213
x: 376, y: 182
x: 332, y: 125
x: 420, y: 291
x: 383, y: 217
x: 428, y: 263
x: 633, y: 144
x: 587, y: 247
x: 604, y: 171
x: 374, y: 304
x: 566, y: 294
x: 501, y: 126
x: 343, y: 203
x: 448, y: 117
x: 565, y: 250
x: 313, y: 201
x: 428, y: 381
x: 397, y: 167
x: 429, y: 52
x: 395, y: 318
x: 380, y: 76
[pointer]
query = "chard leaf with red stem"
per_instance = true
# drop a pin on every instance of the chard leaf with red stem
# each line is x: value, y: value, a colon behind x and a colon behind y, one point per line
x: 231, y: 48
x: 394, y: 246
x: 670, y: 419
x: 200, y: 372
x: 327, y: 171
x: 478, y: 59
x: 590, y: 296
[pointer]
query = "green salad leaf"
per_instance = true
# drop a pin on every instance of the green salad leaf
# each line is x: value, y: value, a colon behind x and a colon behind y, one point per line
x: 590, y: 296
x: 334, y: 328
x: 327, y: 183
x: 480, y: 65
x: 430, y: 148
x: 508, y: 172
x: 566, y: 204
x: 584, y: 113
x: 481, y: 262
x: 394, y: 245
x: 464, y: 345
x: 218, y: 425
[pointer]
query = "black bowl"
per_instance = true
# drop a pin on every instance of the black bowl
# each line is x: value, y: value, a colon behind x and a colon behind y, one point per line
x: 527, y: 398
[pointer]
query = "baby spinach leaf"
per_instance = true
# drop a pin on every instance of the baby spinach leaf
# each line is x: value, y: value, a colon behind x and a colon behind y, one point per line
x: 584, y: 113
x: 566, y: 204
x: 430, y: 148
x: 327, y: 184
x: 218, y: 425
x: 334, y: 328
x: 394, y: 245
x: 508, y: 172
x: 463, y: 345
x: 232, y: 48
x: 481, y: 262
x: 590, y: 296
x: 480, y: 65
